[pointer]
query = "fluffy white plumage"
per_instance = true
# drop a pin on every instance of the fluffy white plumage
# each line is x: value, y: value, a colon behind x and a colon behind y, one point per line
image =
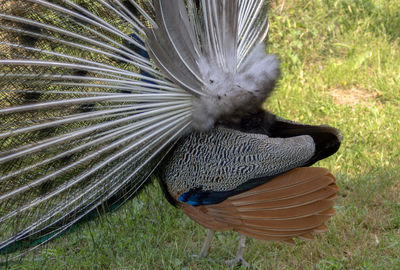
x: 232, y: 95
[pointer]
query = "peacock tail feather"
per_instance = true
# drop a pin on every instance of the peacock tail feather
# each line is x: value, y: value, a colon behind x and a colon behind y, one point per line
x: 94, y: 93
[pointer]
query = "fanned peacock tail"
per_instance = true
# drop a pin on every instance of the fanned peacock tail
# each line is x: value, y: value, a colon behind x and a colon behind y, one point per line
x: 86, y: 115
x: 221, y: 59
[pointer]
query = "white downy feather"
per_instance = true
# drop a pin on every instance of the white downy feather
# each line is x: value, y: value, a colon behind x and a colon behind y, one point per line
x: 230, y: 75
x: 234, y: 94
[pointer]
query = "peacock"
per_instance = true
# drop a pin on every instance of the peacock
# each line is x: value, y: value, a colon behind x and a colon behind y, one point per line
x: 99, y: 95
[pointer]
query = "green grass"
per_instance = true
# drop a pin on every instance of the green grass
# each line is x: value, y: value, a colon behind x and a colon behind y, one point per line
x: 340, y: 66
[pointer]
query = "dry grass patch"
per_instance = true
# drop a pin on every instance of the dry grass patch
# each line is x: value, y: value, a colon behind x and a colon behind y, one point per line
x: 354, y: 96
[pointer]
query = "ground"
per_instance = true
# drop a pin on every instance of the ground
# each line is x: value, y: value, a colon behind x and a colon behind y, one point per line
x: 340, y: 66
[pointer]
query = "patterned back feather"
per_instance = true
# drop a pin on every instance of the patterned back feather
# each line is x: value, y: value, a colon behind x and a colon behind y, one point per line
x: 86, y: 116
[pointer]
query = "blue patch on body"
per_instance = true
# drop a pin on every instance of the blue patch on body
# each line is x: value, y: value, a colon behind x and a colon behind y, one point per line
x: 197, y: 196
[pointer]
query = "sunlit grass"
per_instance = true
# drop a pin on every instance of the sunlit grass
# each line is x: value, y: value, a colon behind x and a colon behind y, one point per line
x: 340, y: 66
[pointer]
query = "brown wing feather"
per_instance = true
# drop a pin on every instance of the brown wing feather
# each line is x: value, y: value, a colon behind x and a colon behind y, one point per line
x: 294, y: 204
